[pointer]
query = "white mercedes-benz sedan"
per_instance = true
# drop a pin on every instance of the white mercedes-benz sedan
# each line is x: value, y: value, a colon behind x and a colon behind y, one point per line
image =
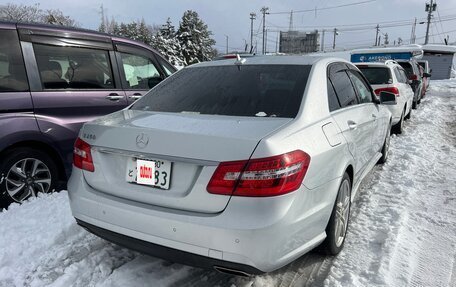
x: 241, y: 165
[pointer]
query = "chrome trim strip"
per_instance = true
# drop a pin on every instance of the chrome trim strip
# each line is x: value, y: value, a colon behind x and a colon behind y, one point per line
x: 155, y: 156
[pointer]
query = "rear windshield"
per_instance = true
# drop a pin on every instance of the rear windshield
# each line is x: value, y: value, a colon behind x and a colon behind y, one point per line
x: 377, y: 75
x: 250, y: 90
x: 407, y: 67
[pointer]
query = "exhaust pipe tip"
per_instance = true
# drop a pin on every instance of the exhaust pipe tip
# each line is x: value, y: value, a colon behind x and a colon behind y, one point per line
x: 231, y: 271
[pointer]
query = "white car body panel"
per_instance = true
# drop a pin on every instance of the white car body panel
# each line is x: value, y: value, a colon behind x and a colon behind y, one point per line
x: 262, y: 232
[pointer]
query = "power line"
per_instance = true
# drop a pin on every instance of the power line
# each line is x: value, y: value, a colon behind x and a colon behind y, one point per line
x: 363, y: 28
x: 325, y: 8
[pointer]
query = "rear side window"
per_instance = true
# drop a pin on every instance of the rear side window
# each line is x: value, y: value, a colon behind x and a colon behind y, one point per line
x: 169, y: 70
x: 73, y: 68
x: 140, y: 72
x: 364, y: 92
x: 400, y: 75
x: 12, y: 70
x: 404, y: 76
x: 332, y: 97
x: 377, y: 75
x: 250, y: 90
x: 344, y: 88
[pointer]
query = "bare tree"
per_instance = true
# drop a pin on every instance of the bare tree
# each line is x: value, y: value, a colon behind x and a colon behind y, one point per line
x: 33, y: 14
x: 20, y: 13
x: 56, y: 17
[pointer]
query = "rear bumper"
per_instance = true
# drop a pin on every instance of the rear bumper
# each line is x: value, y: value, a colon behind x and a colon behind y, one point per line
x: 396, y: 113
x: 170, y: 254
x: 253, y: 235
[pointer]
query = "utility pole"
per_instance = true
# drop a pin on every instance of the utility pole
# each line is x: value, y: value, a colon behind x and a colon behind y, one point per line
x: 323, y: 40
x: 413, y: 35
x: 334, y: 40
x: 266, y: 38
x: 291, y: 21
x: 264, y: 10
x: 252, y: 17
x: 277, y: 42
x: 377, y: 42
x: 430, y: 7
x: 226, y: 44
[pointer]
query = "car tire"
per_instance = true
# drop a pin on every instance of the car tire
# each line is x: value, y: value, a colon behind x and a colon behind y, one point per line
x: 336, y: 229
x: 399, y: 127
x: 409, y: 115
x: 25, y: 172
x: 385, y: 147
x: 414, y: 105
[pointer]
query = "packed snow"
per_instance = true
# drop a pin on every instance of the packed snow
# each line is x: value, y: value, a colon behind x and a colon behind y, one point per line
x: 402, y: 230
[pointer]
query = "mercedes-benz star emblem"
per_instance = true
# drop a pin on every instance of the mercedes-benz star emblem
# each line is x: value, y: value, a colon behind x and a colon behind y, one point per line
x: 142, y: 140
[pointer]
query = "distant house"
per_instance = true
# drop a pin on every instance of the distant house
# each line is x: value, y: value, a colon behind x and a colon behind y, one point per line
x: 440, y: 58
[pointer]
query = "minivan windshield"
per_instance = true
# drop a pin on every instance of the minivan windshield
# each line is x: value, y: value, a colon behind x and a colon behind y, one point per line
x: 377, y: 75
x: 244, y: 90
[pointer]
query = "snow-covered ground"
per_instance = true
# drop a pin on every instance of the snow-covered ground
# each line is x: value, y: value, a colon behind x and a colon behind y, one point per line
x: 402, y: 230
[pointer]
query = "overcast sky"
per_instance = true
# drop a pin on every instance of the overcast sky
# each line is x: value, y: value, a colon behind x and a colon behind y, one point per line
x: 231, y: 18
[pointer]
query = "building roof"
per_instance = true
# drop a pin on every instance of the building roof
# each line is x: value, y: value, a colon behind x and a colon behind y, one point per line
x: 439, y: 48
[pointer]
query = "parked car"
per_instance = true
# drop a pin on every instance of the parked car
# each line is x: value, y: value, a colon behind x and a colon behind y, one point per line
x: 412, y: 69
x: 240, y: 165
x: 52, y: 80
x: 391, y: 77
x: 426, y: 73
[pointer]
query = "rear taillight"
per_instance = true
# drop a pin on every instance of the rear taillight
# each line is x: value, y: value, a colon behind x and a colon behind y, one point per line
x: 393, y: 90
x: 269, y: 176
x: 413, y: 77
x: 82, y: 156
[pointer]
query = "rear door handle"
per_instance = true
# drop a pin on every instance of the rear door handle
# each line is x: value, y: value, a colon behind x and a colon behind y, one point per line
x: 352, y: 125
x: 135, y: 96
x: 114, y: 97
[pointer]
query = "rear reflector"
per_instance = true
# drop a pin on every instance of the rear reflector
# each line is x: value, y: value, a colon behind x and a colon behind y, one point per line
x: 413, y: 77
x: 393, y: 90
x: 82, y: 156
x: 269, y: 176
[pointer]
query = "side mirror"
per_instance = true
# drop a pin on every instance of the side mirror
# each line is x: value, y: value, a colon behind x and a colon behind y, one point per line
x: 387, y: 98
x: 427, y: 75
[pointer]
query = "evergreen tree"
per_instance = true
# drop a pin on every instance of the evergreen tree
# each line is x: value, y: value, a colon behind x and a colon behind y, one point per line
x: 167, y: 44
x: 144, y: 34
x: 195, y: 38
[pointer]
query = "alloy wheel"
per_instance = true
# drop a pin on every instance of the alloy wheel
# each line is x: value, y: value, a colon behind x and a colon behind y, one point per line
x: 342, y: 212
x: 26, y: 178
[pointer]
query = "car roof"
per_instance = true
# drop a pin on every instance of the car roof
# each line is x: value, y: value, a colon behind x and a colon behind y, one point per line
x: 371, y: 64
x: 71, y: 32
x: 273, y: 60
x: 386, y: 64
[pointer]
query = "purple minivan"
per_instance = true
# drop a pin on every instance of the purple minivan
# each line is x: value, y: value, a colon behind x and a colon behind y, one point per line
x: 52, y: 80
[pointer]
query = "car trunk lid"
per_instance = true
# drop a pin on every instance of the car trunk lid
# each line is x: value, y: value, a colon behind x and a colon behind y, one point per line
x: 192, y: 144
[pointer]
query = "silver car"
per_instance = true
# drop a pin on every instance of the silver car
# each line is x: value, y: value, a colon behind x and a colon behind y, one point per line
x: 241, y: 165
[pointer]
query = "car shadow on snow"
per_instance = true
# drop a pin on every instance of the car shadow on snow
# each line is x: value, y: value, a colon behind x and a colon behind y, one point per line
x: 309, y: 270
